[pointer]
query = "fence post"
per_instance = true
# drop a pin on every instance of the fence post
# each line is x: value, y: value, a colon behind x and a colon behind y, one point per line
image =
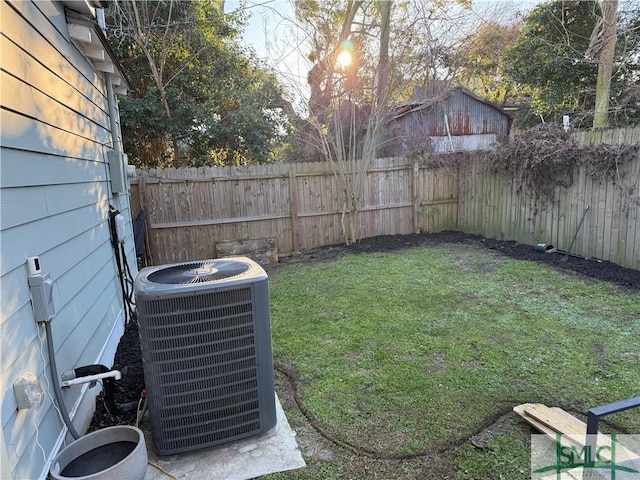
x: 416, y: 197
x: 142, y: 200
x: 293, y: 196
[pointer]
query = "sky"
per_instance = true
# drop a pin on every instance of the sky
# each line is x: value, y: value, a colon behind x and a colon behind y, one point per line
x: 273, y: 35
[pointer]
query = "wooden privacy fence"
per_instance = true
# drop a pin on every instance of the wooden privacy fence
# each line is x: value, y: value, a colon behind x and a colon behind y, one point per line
x: 192, y: 210
x: 492, y: 206
x: 629, y: 135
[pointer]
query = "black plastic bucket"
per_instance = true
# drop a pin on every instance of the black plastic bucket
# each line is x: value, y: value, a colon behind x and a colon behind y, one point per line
x: 546, y: 248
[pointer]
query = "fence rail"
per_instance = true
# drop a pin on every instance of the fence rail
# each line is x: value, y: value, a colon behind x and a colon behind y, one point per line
x: 300, y: 205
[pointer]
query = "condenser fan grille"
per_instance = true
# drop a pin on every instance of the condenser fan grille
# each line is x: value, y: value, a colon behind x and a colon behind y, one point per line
x: 198, y: 272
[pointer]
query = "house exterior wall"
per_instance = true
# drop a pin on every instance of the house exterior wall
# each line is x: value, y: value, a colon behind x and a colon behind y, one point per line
x: 54, y: 194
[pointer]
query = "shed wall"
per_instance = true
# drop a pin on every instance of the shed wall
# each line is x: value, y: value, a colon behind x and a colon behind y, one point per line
x: 459, y: 120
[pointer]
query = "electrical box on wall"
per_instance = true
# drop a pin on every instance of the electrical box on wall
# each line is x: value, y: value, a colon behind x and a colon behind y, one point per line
x: 28, y: 392
x: 118, y: 171
x: 41, y: 287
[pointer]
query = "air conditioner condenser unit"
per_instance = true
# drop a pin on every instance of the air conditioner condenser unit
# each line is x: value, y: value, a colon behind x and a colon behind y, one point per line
x: 206, y: 349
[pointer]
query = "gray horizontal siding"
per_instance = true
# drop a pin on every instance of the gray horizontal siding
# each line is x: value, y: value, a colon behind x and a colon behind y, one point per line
x: 92, y: 308
x: 47, y: 169
x: 54, y: 204
x: 24, y: 25
x: 38, y: 238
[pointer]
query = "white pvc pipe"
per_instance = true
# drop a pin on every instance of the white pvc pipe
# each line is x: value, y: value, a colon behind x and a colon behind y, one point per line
x: 92, y: 378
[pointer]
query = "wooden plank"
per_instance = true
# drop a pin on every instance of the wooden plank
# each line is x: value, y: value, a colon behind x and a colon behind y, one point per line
x: 215, y: 174
x: 552, y: 420
x: 428, y: 194
x: 562, y: 208
x: 601, y: 222
x: 581, y: 204
x: 555, y: 421
x: 262, y: 250
x: 471, y: 200
x: 150, y: 245
x: 503, y: 189
x: 221, y: 221
x: 295, y: 221
x: 506, y: 207
x: 444, y: 201
x: 612, y: 209
x: 632, y: 257
x: 498, y: 201
x: 632, y: 246
x: 590, y: 219
x: 545, y: 423
x: 476, y: 200
x: 324, y: 204
x: 495, y: 198
x: 480, y: 187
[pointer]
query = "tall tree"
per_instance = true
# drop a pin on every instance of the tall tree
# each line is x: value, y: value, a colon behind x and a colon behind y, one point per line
x: 548, y: 56
x: 330, y: 27
x: 480, y: 61
x: 549, y: 61
x: 197, y: 98
x: 602, y: 47
x: 381, y: 82
x: 382, y: 73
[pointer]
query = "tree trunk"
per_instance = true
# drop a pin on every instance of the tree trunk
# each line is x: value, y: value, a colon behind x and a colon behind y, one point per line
x: 156, y: 71
x: 322, y: 72
x: 605, y: 62
x: 382, y: 76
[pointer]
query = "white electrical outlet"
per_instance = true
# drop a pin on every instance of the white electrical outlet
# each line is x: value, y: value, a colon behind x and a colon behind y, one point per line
x: 28, y: 392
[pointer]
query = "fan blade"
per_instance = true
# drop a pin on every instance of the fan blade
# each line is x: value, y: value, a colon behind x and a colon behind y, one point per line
x: 199, y: 272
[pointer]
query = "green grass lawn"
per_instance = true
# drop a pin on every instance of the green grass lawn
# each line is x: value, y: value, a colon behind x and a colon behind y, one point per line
x: 411, y: 361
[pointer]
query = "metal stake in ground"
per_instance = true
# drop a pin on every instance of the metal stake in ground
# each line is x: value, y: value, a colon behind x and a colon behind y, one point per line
x: 566, y: 255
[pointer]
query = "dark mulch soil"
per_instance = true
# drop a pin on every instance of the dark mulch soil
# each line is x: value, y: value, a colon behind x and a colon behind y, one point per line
x: 128, y: 357
x: 600, y: 270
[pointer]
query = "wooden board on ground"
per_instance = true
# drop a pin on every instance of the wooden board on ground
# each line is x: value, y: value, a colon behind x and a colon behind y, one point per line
x: 549, y: 420
x: 262, y: 250
x: 554, y: 421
